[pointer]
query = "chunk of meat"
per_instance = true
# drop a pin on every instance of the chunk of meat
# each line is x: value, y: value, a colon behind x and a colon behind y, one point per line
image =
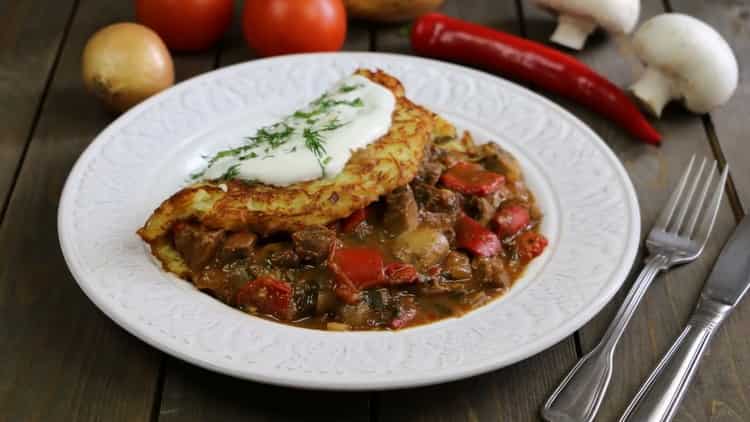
x: 530, y: 245
x: 496, y: 159
x: 491, y: 271
x: 480, y: 209
x: 475, y: 238
x: 238, y: 245
x: 430, y: 173
x: 268, y: 296
x: 313, y: 244
x: 285, y: 257
x: 434, y: 199
x: 423, y: 247
x: 457, y: 266
x: 510, y: 220
x: 438, y: 220
x: 406, y: 311
x: 216, y: 282
x: 197, y: 245
x: 401, y: 211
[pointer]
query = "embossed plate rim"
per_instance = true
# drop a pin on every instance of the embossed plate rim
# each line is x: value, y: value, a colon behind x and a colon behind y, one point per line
x: 451, y: 365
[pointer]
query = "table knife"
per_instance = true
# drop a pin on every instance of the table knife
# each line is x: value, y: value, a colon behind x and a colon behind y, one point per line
x: 660, y: 396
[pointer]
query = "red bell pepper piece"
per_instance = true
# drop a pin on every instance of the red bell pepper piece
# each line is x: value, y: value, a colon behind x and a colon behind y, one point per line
x: 400, y: 273
x: 510, y: 220
x: 530, y: 245
x: 363, y: 266
x: 472, y: 179
x: 476, y: 238
x: 353, y: 221
x: 269, y: 295
x: 447, y: 38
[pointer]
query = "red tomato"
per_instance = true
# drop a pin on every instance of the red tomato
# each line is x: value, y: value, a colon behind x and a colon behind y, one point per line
x: 530, y: 245
x: 274, y: 27
x: 186, y: 25
x: 270, y: 296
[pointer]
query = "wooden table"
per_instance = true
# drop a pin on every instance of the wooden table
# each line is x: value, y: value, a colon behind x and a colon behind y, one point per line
x: 62, y: 359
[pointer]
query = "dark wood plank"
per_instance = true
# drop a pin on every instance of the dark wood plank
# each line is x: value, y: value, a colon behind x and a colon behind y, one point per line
x: 732, y: 19
x: 62, y: 358
x: 654, y: 172
x: 721, y: 391
x: 31, y: 32
x: 511, y: 394
x: 194, y: 394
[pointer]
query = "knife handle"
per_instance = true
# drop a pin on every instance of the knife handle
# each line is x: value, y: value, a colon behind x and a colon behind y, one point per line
x: 661, y: 394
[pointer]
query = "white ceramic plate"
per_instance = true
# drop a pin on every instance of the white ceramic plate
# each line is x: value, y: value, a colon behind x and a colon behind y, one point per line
x: 592, y: 222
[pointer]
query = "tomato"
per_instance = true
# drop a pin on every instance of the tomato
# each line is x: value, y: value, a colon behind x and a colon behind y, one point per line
x: 186, y: 25
x: 530, y: 245
x: 269, y: 295
x: 274, y: 27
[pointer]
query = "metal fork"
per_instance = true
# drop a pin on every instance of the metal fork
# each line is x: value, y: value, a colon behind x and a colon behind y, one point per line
x: 672, y: 241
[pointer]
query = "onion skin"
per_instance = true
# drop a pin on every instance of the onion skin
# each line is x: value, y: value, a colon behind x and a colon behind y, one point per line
x: 125, y: 63
x: 390, y: 11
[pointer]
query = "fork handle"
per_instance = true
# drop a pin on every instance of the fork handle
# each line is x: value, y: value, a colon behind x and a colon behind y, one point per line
x: 661, y: 394
x: 578, y: 397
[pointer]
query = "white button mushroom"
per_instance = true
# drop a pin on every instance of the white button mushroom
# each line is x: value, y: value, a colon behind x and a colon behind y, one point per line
x: 578, y: 18
x: 685, y: 59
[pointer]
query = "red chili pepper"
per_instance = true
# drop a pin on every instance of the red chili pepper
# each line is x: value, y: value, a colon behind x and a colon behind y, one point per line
x: 443, y: 37
x: 476, y: 238
x: 530, y: 245
x: 472, y: 179
x: 350, y: 223
x: 363, y: 266
x: 269, y: 295
x: 400, y: 273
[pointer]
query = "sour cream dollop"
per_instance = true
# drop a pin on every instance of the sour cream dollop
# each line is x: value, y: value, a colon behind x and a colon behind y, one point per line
x: 314, y: 142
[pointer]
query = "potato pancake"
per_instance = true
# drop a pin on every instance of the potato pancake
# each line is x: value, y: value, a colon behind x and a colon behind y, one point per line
x: 384, y: 165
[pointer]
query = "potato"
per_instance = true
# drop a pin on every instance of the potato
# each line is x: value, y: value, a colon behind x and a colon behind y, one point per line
x: 390, y: 10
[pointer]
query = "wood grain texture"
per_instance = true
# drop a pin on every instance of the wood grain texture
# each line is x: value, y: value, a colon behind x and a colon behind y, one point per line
x: 721, y: 390
x: 515, y: 393
x: 62, y: 358
x: 732, y: 19
x: 194, y: 394
x: 31, y: 33
x: 654, y: 172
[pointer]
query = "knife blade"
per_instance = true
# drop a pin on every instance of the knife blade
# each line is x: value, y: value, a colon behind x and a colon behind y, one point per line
x: 730, y: 278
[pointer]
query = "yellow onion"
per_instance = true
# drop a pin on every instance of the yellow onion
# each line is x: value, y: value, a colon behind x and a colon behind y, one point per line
x: 125, y: 63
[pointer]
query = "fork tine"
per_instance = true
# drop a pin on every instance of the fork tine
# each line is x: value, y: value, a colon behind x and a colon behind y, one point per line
x: 699, y: 204
x: 707, y: 222
x: 686, y: 202
x: 667, y: 212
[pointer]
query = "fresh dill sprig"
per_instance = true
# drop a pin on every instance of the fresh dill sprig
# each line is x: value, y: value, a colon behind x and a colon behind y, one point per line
x: 231, y: 172
x: 349, y: 88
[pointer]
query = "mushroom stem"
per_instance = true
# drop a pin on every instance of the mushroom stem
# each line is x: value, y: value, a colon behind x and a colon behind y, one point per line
x: 572, y: 31
x: 654, y: 90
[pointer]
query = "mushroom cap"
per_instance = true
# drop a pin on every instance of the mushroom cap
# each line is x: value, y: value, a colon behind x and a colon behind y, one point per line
x: 699, y: 62
x: 618, y: 16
